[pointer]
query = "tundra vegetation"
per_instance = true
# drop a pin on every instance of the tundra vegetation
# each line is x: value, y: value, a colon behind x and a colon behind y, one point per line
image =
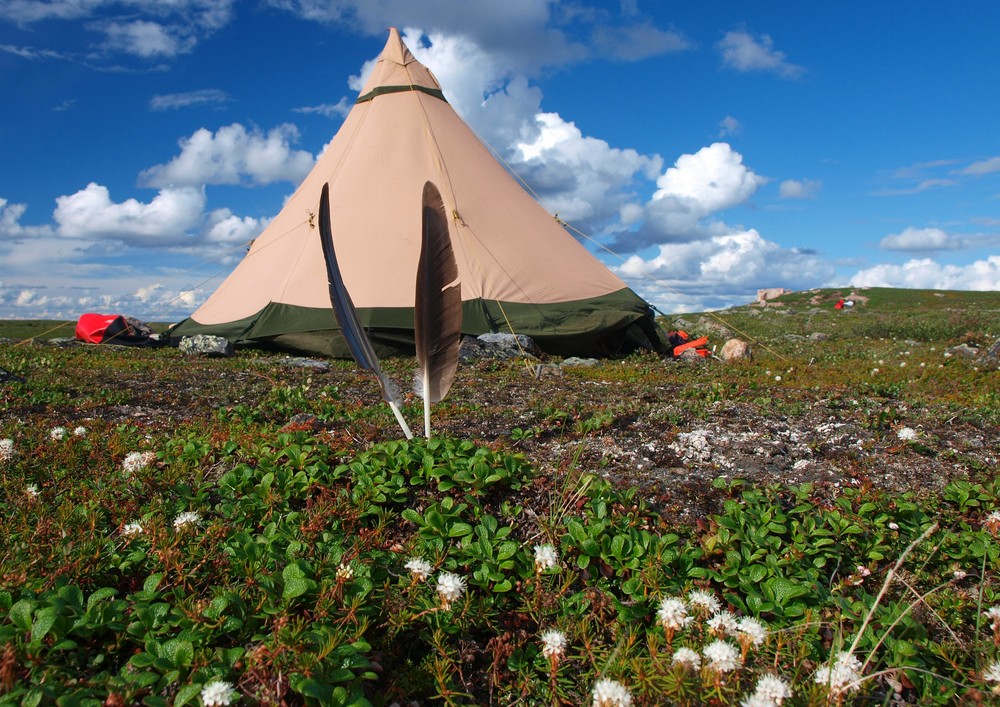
x: 817, y: 524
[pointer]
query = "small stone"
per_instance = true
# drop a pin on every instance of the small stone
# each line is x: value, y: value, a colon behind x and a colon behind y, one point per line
x: 205, y: 345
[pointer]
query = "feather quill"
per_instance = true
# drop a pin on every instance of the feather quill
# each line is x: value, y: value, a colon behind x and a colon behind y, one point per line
x: 357, y: 339
x: 437, y: 315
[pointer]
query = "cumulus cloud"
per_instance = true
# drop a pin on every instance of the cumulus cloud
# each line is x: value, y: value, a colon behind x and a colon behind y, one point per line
x: 233, y: 155
x: 925, y: 273
x: 744, y: 52
x: 799, y: 188
x: 919, y: 240
x: 727, y: 268
x: 91, y: 214
x: 171, y: 101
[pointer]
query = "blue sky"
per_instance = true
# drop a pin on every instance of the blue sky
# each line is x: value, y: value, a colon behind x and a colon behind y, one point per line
x: 715, y: 148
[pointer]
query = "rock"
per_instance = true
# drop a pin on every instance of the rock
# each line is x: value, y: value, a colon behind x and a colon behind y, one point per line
x: 8, y: 377
x: 963, y: 350
x: 498, y: 346
x: 819, y: 336
x: 991, y: 356
x: 770, y: 293
x: 691, y: 355
x: 576, y: 361
x: 545, y: 370
x: 302, y: 362
x: 205, y: 345
x: 735, y: 349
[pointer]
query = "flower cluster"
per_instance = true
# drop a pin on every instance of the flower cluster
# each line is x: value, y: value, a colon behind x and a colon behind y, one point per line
x: 673, y: 614
x: 136, y: 461
x: 840, y: 674
x: 546, y: 557
x: 419, y: 569
x: 7, y: 451
x: 771, y: 691
x: 553, y: 644
x: 131, y: 529
x: 721, y: 656
x: 610, y: 693
x: 185, y: 519
x: 218, y: 692
x: 57, y: 434
x: 450, y: 587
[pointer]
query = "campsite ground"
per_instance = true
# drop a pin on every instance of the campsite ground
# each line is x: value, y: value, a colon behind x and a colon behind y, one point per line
x: 830, y: 397
x: 174, y: 520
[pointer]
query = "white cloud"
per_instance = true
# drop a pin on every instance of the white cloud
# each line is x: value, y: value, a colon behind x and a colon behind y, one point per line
x: 638, y: 41
x: 729, y: 126
x: 10, y: 222
x: 982, y: 167
x: 233, y: 156
x: 166, y: 220
x: 146, y: 39
x: 799, y: 188
x: 341, y: 108
x: 919, y: 239
x: 172, y: 101
x: 925, y: 273
x: 724, y: 269
x: 744, y: 52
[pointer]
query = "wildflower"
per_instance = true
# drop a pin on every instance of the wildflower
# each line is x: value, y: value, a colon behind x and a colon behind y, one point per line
x: 750, y: 632
x: 906, y: 433
x: 991, y: 522
x: 32, y: 490
x: 721, y: 656
x: 218, y: 692
x: 893, y: 526
x: 777, y: 378
x: 772, y: 689
x: 450, y: 587
x: 992, y: 674
x: 545, y: 557
x: 131, y: 529
x: 610, y: 693
x: 687, y: 657
x: 80, y: 431
x: 859, y: 575
x: 419, y: 569
x: 840, y: 674
x: 673, y: 614
x: 553, y: 644
x: 874, y: 371
x: 344, y: 572
x: 186, y: 518
x: 960, y: 574
x: 7, y: 450
x: 722, y: 624
x: 993, y: 614
x: 135, y: 461
x: 57, y: 434
x: 703, y: 602
x: 902, y: 364
x: 756, y: 700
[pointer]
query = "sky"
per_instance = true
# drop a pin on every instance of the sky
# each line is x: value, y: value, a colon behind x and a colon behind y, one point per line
x: 702, y: 151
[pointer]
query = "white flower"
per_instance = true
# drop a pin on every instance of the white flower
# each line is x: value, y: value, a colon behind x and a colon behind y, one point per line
x: 134, y: 461
x: 57, y: 433
x: 704, y: 602
x: 673, y: 613
x: 756, y: 700
x: 722, y: 624
x: 553, y: 643
x: 345, y: 572
x: 840, y: 674
x: 721, y: 656
x: 218, y: 692
x: 7, y: 450
x: 992, y: 522
x: 960, y: 574
x: 31, y: 490
x: 186, y: 518
x: 545, y: 557
x: 773, y: 689
x: 992, y: 673
x: 751, y: 631
x: 450, y: 587
x: 906, y: 433
x: 687, y: 657
x: 610, y: 693
x: 80, y: 431
x: 420, y: 569
x: 893, y: 526
x: 993, y: 614
x: 131, y: 529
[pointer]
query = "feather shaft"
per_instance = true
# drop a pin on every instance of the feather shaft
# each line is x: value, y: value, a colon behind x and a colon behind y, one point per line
x: 437, y: 315
x: 353, y: 332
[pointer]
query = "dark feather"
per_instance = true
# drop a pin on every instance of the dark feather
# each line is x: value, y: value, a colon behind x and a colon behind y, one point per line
x: 437, y: 317
x: 347, y: 316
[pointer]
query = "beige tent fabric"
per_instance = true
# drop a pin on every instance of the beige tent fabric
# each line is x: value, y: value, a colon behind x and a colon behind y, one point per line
x: 507, y: 246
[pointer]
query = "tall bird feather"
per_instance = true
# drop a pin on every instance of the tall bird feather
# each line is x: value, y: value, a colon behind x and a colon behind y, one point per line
x: 357, y: 339
x: 437, y: 315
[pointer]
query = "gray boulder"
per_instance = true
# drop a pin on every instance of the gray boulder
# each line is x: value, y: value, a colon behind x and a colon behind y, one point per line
x: 205, y: 345
x: 498, y: 346
x: 735, y: 349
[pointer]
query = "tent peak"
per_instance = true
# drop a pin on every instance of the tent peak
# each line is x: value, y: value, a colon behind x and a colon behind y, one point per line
x: 397, y: 68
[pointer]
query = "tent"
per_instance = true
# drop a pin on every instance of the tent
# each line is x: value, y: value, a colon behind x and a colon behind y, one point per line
x: 520, y: 270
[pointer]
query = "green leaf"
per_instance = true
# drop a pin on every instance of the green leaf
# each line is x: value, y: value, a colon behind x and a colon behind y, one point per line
x: 45, y: 619
x: 756, y: 573
x: 186, y: 693
x: 100, y: 595
x: 459, y: 530
x: 152, y: 582
x: 178, y: 651
x: 20, y: 614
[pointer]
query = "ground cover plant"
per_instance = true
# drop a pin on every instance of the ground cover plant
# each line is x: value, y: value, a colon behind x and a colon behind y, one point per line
x: 815, y: 525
